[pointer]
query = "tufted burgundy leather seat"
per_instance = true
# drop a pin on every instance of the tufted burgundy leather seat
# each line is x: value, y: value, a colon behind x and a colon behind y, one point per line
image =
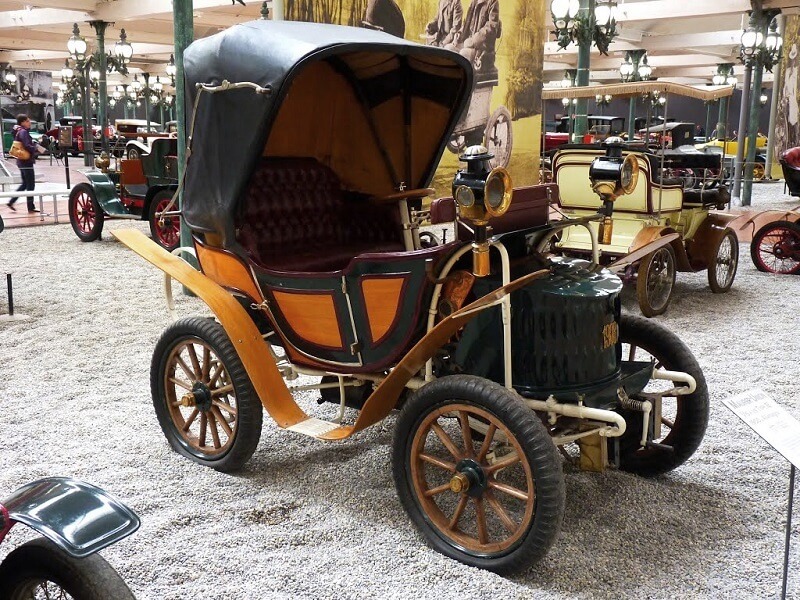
x: 790, y: 163
x: 296, y: 217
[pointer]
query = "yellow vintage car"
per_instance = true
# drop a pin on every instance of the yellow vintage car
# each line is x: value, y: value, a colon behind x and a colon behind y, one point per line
x: 728, y: 149
x: 659, y: 208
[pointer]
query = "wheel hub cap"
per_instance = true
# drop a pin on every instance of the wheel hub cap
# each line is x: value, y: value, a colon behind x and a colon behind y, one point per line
x: 469, y: 478
x: 200, y: 396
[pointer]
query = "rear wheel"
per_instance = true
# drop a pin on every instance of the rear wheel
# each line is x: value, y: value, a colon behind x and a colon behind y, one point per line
x: 758, y: 171
x: 40, y: 569
x: 499, y: 138
x: 776, y: 248
x: 134, y: 153
x: 684, y: 418
x: 495, y: 503
x: 722, y: 269
x: 85, y: 214
x: 655, y: 281
x: 166, y: 231
x: 204, y: 401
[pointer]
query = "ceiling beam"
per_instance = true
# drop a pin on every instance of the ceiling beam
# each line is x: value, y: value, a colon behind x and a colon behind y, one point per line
x: 40, y: 16
x: 122, y: 10
x: 669, y: 9
x: 682, y: 41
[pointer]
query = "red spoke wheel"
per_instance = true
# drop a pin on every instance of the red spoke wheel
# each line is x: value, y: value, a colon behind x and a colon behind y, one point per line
x: 494, y: 500
x: 204, y: 401
x: 166, y: 231
x: 85, y: 214
x: 776, y: 248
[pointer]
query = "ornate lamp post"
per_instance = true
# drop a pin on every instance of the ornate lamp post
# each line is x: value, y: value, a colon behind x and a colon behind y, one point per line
x: 584, y: 22
x: 760, y: 48
x: 634, y: 68
x: 92, y: 70
x: 602, y: 101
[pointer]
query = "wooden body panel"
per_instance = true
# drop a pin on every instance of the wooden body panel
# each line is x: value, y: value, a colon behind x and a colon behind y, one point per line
x: 312, y: 316
x: 382, y: 296
x: 227, y: 270
x: 132, y: 172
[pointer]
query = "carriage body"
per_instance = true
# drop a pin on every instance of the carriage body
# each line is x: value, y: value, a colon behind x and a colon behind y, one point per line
x: 307, y: 233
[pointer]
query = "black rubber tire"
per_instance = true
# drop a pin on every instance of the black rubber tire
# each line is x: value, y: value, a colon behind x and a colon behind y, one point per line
x: 40, y: 560
x: 692, y: 412
x: 133, y: 153
x: 96, y: 230
x: 646, y: 305
x: 249, y: 412
x: 791, y: 228
x: 721, y: 287
x: 151, y: 219
x: 536, y: 443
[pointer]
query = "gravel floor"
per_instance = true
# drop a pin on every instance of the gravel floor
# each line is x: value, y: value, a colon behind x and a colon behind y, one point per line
x: 314, y: 520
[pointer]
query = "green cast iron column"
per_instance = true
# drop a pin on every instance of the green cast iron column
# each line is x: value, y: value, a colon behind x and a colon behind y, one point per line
x: 86, y: 108
x: 184, y: 30
x: 584, y: 57
x: 631, y: 118
x: 102, y: 86
x: 752, y: 133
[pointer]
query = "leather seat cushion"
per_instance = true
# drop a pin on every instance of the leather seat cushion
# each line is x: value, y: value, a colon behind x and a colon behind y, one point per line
x: 295, y: 217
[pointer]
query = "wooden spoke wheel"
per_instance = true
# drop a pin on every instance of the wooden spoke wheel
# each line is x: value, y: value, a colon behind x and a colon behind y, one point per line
x: 166, y: 231
x: 203, y: 398
x: 776, y: 248
x: 722, y: 268
x: 493, y: 501
x: 85, y: 214
x: 655, y: 280
x: 684, y: 417
x: 499, y: 137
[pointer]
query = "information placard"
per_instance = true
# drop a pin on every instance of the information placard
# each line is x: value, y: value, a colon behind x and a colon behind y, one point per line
x: 769, y: 420
x: 65, y: 136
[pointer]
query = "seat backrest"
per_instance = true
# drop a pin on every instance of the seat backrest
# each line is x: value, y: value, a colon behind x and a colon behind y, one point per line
x: 154, y: 163
x: 287, y: 202
x: 132, y: 173
x: 297, y: 204
x: 571, y: 174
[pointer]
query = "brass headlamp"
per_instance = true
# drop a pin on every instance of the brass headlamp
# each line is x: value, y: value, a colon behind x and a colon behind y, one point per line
x: 481, y: 193
x: 612, y: 176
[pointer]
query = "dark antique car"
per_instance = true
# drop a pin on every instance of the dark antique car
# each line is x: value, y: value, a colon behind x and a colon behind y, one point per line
x: 142, y: 189
x: 305, y: 214
x: 79, y: 141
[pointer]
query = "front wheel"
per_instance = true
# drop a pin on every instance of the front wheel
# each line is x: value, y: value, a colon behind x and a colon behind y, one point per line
x: 493, y: 501
x: 203, y: 398
x: 85, y: 214
x: 776, y: 248
x: 166, y: 231
x: 134, y: 153
x: 684, y: 417
x: 655, y: 280
x: 722, y: 269
x: 40, y: 569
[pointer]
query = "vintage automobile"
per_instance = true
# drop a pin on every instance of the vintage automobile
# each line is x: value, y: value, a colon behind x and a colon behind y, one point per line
x: 142, y: 189
x: 661, y: 205
x: 307, y: 232
x: 9, y: 121
x: 600, y: 127
x: 79, y: 143
x: 729, y: 148
x: 137, y: 135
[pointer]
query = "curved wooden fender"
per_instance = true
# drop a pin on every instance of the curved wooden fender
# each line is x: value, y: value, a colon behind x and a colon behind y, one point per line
x: 643, y: 250
x: 746, y: 224
x: 257, y: 360
x: 649, y: 236
x: 250, y: 346
x: 702, y: 248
